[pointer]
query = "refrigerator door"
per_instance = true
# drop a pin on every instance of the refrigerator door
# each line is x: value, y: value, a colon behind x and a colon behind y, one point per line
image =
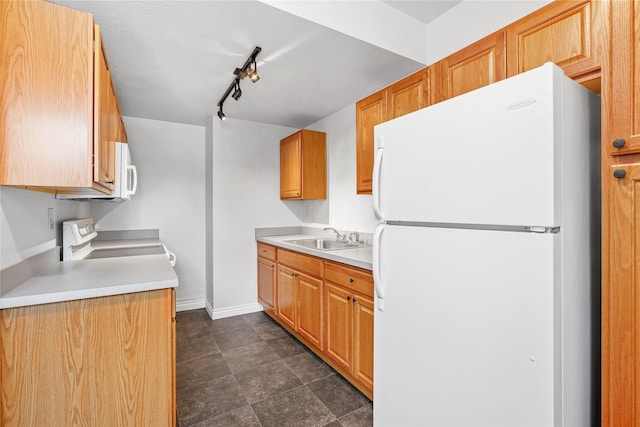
x: 490, y: 156
x: 466, y: 337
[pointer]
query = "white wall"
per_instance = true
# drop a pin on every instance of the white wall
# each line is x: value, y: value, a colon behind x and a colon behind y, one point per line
x: 170, y: 158
x: 246, y: 195
x: 472, y: 20
x: 346, y: 209
x: 24, y: 221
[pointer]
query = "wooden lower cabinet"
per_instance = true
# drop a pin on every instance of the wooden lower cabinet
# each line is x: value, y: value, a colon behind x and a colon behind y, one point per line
x: 300, y: 303
x: 329, y: 307
x: 97, y: 361
x: 267, y: 277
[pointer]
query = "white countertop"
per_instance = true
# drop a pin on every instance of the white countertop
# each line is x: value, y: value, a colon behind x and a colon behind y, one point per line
x: 357, y: 257
x: 72, y: 280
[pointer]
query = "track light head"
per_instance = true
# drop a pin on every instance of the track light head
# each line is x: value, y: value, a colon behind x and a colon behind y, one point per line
x: 220, y: 113
x: 237, y: 93
x: 253, y: 73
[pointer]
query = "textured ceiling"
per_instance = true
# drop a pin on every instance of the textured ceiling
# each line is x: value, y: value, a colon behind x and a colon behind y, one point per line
x: 173, y: 60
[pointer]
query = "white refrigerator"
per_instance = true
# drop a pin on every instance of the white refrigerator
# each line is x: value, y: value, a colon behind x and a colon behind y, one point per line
x: 486, y: 258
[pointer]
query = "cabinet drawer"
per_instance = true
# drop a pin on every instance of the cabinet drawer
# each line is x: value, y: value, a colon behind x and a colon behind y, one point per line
x: 303, y: 263
x: 355, y: 279
x: 266, y: 251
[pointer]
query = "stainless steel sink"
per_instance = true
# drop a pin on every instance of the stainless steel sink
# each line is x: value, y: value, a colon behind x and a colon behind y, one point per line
x: 323, y: 244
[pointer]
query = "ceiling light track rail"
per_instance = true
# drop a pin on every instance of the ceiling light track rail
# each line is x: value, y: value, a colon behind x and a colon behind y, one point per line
x: 249, y: 69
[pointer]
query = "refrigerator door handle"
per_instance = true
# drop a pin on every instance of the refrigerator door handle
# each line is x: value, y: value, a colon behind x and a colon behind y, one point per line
x: 377, y: 165
x: 377, y: 239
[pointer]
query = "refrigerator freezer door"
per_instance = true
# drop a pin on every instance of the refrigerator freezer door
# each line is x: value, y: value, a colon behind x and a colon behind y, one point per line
x: 466, y: 336
x: 490, y: 156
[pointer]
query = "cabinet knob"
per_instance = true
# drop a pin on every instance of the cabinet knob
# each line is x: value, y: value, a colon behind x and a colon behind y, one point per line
x: 355, y: 300
x: 350, y: 279
x: 619, y: 143
x: 349, y: 298
x: 620, y: 173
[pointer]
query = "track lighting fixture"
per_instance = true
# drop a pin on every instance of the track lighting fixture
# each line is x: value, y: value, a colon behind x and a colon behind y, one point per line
x: 249, y: 69
x: 238, y: 92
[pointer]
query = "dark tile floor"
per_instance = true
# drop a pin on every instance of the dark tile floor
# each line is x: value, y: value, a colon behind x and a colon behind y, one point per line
x: 248, y: 371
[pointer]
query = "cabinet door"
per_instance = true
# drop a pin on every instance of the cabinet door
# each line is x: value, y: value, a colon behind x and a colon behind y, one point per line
x: 104, y: 131
x: 621, y: 299
x: 291, y: 167
x: 46, y: 95
x: 369, y: 112
x: 363, y: 340
x: 338, y: 329
x: 408, y: 95
x: 564, y: 32
x: 475, y: 66
x: 309, y: 308
x: 97, y: 361
x: 621, y: 87
x: 286, y: 296
x: 267, y: 283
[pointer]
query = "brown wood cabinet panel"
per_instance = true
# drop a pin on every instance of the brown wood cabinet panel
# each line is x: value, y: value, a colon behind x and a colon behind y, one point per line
x: 352, y: 278
x: 105, y: 128
x: 303, y: 166
x: 621, y: 97
x: 408, y: 95
x: 97, y: 361
x: 300, y: 262
x: 266, y: 251
x: 621, y: 299
x: 287, y: 296
x: 338, y: 325
x: 309, y: 315
x: 369, y: 112
x: 267, y: 278
x: 475, y: 66
x: 363, y: 310
x: 47, y: 71
x: 563, y: 32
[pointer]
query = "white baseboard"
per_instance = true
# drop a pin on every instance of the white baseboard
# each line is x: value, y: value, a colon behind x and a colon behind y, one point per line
x: 221, y: 313
x: 190, y: 305
x: 209, y: 309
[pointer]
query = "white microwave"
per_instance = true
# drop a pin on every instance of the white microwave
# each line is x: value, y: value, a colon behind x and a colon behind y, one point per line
x: 126, y: 180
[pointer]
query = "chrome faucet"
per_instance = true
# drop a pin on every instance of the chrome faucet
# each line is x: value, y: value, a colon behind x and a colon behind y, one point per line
x: 354, y: 237
x: 339, y: 237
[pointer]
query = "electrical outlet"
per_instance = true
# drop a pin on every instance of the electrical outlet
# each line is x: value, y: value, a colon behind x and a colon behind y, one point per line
x: 50, y: 216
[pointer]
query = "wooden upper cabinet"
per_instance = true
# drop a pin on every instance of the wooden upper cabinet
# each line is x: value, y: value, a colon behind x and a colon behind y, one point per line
x: 567, y: 33
x: 370, y: 111
x: 303, y: 166
x: 408, y: 95
x: 56, y: 100
x: 473, y: 67
x: 621, y: 86
x: 106, y: 126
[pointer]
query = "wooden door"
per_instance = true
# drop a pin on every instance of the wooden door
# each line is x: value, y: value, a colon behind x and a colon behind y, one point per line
x: 408, y: 95
x: 369, y: 112
x: 621, y: 298
x: 291, y: 167
x: 338, y: 325
x: 46, y: 95
x: 267, y: 283
x: 103, y: 156
x: 566, y: 33
x: 622, y: 93
x: 286, y: 296
x: 475, y: 66
x: 363, y: 340
x: 96, y: 361
x: 309, y: 308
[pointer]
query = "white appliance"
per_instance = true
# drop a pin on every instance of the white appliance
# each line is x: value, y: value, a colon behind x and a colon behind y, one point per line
x: 126, y: 180
x: 78, y: 243
x: 486, y: 261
